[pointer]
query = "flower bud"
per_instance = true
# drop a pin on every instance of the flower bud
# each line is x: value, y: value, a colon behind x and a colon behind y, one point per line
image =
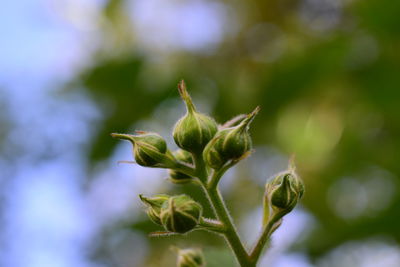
x: 285, y: 190
x: 194, y: 130
x: 190, y: 258
x: 149, y: 148
x: 180, y: 214
x: 179, y: 177
x: 229, y: 143
x: 154, y: 206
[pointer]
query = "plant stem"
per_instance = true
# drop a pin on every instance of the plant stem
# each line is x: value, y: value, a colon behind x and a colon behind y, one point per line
x: 225, y: 225
x: 201, y: 169
x: 230, y: 233
x: 265, y: 235
x: 221, y: 212
x: 217, y: 174
x: 184, y: 169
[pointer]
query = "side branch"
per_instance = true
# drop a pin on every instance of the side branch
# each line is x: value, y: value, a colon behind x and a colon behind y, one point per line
x: 212, y: 225
x: 217, y: 174
x: 268, y: 229
x: 220, y: 210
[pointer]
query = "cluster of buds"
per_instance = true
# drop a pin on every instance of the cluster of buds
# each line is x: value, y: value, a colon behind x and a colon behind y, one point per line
x: 206, y: 151
x: 196, y: 134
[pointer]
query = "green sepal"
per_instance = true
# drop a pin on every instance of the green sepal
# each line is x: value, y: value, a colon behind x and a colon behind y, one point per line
x: 284, y: 191
x: 149, y: 149
x: 154, y: 205
x: 180, y: 214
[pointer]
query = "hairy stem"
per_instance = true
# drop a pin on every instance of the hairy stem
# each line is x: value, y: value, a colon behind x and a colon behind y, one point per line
x: 230, y: 233
x: 268, y: 229
x: 221, y: 212
x: 217, y: 174
x: 212, y: 225
x: 201, y: 169
x: 184, y: 169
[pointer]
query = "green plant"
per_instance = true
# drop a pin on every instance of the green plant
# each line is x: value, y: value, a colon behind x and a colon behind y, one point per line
x: 206, y: 152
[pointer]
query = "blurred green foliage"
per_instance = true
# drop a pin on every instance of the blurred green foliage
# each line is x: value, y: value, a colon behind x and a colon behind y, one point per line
x: 332, y: 96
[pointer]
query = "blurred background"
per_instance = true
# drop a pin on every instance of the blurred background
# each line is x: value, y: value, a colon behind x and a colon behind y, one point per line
x: 325, y: 72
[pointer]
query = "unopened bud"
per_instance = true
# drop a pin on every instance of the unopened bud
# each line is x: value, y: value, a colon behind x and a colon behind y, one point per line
x: 284, y: 196
x: 194, y: 130
x: 230, y: 143
x: 190, y: 258
x: 285, y: 190
x: 154, y: 205
x: 179, y: 177
x: 180, y: 214
x: 149, y: 148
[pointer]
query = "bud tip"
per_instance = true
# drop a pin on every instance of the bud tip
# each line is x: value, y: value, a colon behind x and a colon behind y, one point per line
x: 185, y: 96
x: 254, y: 113
x: 128, y: 137
x: 245, y: 124
x: 292, y: 164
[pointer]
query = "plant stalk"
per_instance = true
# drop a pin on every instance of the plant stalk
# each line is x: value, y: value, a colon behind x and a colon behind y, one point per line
x: 230, y: 233
x: 268, y: 229
x: 221, y: 212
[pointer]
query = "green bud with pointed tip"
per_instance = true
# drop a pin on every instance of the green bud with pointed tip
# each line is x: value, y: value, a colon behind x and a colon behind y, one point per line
x: 180, y: 214
x: 194, y: 130
x: 154, y: 205
x: 229, y: 143
x: 284, y: 196
x: 285, y: 190
x: 149, y: 149
x: 178, y: 177
x: 190, y: 258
